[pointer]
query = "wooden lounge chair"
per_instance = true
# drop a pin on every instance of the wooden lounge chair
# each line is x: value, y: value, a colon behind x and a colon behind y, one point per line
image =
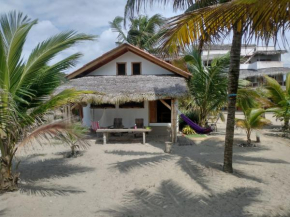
x: 118, y: 124
x: 140, y: 125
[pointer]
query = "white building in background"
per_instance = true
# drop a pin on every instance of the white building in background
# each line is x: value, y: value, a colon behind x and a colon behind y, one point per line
x: 256, y: 62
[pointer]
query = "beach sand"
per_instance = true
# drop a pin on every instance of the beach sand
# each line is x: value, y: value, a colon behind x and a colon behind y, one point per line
x: 134, y: 180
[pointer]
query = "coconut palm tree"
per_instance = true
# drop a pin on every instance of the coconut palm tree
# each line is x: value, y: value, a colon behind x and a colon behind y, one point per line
x: 250, y: 102
x: 280, y: 99
x: 253, y: 120
x: 143, y: 32
x: 259, y: 19
x: 208, y: 84
x: 133, y: 6
x: 27, y: 87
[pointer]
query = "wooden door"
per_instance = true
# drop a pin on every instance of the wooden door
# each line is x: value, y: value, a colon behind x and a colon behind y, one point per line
x: 152, y: 111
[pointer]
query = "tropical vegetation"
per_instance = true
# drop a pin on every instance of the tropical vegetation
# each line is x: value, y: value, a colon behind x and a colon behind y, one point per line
x: 253, y: 121
x: 251, y: 19
x: 144, y: 32
x: 27, y: 89
x: 280, y: 99
x: 250, y: 102
x: 187, y: 130
x: 208, y: 85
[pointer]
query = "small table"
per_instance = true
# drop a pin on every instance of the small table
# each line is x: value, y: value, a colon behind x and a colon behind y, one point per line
x: 107, y: 131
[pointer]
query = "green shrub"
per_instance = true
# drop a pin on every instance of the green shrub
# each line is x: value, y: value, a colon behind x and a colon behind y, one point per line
x: 187, y: 130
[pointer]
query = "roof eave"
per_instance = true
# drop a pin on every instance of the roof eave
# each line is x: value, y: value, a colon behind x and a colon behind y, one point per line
x: 123, y: 49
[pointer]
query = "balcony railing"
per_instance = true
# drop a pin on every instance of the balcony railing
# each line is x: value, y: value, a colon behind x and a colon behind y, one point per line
x: 262, y: 65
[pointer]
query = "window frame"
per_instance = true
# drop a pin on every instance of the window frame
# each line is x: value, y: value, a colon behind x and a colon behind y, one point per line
x: 132, y: 68
x: 117, y: 71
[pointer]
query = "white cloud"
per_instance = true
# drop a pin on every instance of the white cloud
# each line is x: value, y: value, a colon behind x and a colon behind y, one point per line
x: 91, y: 49
x: 94, y: 49
x: 87, y: 16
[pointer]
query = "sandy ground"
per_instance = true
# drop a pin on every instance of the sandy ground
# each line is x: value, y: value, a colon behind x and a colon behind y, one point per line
x: 134, y: 180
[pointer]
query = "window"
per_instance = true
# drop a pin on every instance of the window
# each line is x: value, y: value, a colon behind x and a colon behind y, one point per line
x: 132, y: 105
x: 121, y: 68
x: 102, y: 106
x: 136, y: 68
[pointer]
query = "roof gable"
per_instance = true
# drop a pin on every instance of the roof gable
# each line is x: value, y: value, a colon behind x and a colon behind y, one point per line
x: 118, y: 51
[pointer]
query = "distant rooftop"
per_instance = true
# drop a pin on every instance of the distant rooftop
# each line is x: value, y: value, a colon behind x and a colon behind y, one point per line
x: 264, y: 50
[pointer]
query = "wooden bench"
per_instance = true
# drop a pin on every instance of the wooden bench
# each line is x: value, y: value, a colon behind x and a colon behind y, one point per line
x: 107, y: 131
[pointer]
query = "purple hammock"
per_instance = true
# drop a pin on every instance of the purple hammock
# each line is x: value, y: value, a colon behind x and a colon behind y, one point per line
x: 198, y: 129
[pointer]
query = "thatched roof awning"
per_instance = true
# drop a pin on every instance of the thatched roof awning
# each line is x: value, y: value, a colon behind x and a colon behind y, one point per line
x: 113, y: 89
x: 245, y: 73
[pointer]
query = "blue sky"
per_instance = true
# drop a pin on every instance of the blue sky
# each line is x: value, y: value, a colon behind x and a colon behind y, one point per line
x: 86, y: 16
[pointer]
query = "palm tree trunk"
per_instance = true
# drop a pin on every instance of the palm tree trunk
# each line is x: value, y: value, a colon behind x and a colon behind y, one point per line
x: 200, y: 46
x: 286, y: 124
x: 234, y: 72
x: 249, y: 141
x: 8, y: 181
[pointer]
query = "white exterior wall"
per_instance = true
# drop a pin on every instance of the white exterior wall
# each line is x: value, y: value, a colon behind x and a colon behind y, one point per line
x: 147, y: 67
x: 106, y: 116
x: 275, y: 60
x: 262, y: 65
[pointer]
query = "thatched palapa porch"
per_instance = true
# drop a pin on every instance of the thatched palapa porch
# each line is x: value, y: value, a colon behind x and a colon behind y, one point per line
x: 155, y: 96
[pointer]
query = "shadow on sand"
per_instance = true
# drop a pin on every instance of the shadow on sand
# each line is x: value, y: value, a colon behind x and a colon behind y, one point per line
x: 128, y: 165
x: 48, y: 190
x: 172, y: 200
x: 33, y: 172
x: 200, y: 162
x: 49, y: 169
x: 2, y: 211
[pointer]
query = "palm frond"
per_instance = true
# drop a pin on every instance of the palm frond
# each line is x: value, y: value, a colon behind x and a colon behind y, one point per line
x: 135, y: 6
x: 264, y: 20
x: 65, y: 97
x: 47, y: 132
x: 116, y: 26
x: 14, y: 28
x: 275, y: 91
x: 208, y: 85
x: 47, y: 50
x: 241, y: 123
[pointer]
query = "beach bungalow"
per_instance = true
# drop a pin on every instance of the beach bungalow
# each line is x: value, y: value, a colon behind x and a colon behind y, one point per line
x: 130, y: 85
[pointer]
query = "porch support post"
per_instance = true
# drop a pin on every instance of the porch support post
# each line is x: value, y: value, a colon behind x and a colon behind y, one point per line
x: 69, y: 111
x: 105, y: 138
x: 144, y: 136
x: 174, y: 120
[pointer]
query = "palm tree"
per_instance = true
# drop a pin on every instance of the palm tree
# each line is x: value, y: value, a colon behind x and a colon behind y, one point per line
x: 250, y: 101
x: 133, y: 6
x: 208, y: 84
x: 259, y: 19
x: 280, y: 99
x: 253, y: 120
x: 27, y: 87
x: 143, y: 32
